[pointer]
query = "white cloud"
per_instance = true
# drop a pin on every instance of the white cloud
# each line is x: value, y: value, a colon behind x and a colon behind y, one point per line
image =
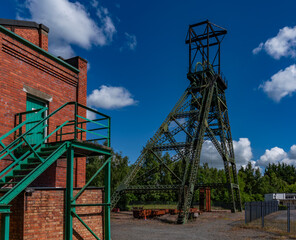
x: 210, y: 155
x: 94, y: 3
x: 273, y: 155
x: 277, y: 155
x: 107, y: 23
x: 282, y: 83
x: 108, y: 97
x: 258, y: 49
x: 70, y: 23
x: 292, y: 153
x: 130, y: 42
x: 282, y: 45
x: 61, y: 49
x: 90, y: 115
x: 242, y: 151
x: 243, y: 155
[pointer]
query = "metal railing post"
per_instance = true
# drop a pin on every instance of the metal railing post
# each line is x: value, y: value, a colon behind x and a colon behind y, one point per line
x: 69, y: 194
x: 20, y: 121
x: 75, y: 121
x: 5, y: 220
x: 107, y: 199
x: 109, y: 132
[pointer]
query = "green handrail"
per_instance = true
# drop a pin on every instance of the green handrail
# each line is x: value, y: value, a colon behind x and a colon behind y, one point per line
x: 78, y: 131
x: 20, y: 140
x: 40, y: 111
x: 5, y: 170
x: 22, y: 124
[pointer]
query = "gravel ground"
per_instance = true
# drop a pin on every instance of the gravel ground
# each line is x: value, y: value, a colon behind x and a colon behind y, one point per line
x: 213, y: 225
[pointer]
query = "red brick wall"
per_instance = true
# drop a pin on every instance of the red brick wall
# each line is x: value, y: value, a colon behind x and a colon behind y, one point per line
x: 17, y: 218
x: 40, y: 215
x: 36, y: 36
x: 20, y: 66
x: 92, y: 216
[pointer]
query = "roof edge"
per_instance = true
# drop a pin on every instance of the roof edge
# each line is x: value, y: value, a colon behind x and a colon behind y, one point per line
x: 21, y: 23
x: 37, y: 49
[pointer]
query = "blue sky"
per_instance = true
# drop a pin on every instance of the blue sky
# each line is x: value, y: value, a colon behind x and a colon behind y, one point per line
x: 138, y: 64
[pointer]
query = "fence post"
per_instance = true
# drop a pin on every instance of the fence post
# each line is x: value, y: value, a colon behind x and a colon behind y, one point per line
x: 258, y: 210
x: 288, y: 217
x: 262, y: 213
x: 251, y: 212
x: 245, y: 213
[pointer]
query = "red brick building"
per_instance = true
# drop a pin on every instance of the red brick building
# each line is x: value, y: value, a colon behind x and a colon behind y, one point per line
x: 28, y: 72
x: 30, y: 78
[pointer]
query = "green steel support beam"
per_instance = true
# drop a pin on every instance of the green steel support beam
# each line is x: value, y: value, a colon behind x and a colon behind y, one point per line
x: 107, y: 209
x: 85, y: 225
x: 90, y: 180
x: 69, y: 194
x: 91, y: 148
x: 5, y: 221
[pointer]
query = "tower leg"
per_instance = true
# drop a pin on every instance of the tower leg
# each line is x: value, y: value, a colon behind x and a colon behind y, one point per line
x: 5, y: 220
x: 69, y: 195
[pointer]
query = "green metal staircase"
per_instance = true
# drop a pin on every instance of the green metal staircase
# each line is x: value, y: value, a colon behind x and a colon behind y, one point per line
x: 29, y: 160
x: 22, y: 175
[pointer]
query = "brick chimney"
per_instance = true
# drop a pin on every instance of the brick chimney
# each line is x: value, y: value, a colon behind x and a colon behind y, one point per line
x: 31, y: 31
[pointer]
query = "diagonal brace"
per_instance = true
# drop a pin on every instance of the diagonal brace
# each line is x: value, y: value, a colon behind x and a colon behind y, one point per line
x: 162, y: 162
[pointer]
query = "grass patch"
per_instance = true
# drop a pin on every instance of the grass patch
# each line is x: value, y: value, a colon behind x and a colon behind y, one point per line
x: 277, y: 227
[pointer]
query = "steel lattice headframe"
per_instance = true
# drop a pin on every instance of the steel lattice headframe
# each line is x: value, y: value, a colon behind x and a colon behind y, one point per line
x: 200, y: 114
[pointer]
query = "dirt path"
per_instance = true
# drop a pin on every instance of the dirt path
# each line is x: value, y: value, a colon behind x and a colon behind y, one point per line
x: 214, y: 225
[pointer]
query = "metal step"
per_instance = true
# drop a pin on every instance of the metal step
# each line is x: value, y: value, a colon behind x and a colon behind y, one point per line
x: 20, y: 171
x: 50, y: 148
x: 5, y: 189
x: 8, y: 183
x: 24, y: 170
x: 15, y: 176
x: 45, y: 153
x: 33, y: 160
x: 26, y: 165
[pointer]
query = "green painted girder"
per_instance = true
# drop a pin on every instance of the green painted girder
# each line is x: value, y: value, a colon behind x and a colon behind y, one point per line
x: 185, y: 114
x: 91, y: 147
x: 170, y: 146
